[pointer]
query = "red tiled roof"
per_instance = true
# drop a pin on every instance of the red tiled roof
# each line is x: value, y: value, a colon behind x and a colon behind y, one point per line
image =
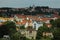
x: 20, y: 16
x: 24, y: 22
x: 45, y: 19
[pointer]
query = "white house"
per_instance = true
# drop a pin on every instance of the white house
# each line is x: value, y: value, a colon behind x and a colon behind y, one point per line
x: 36, y: 24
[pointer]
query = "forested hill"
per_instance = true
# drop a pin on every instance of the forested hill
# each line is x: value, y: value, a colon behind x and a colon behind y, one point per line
x: 7, y: 11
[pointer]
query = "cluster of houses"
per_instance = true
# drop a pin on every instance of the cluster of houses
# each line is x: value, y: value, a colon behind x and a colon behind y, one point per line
x: 34, y: 21
x: 30, y: 21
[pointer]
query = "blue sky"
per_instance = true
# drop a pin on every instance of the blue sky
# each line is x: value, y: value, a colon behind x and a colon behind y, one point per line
x: 27, y: 3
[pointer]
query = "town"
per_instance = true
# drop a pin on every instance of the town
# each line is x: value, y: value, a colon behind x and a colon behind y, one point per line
x: 31, y: 23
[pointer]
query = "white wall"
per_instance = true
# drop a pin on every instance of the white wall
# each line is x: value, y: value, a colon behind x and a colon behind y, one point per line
x: 37, y: 25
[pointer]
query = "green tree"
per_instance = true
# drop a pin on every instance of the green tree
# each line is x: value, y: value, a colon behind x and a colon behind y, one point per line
x: 40, y: 31
x: 8, y: 28
x: 16, y: 36
x: 11, y: 26
x: 22, y: 27
x: 56, y: 28
x: 56, y: 31
x: 53, y: 23
x: 57, y: 23
x: 56, y: 34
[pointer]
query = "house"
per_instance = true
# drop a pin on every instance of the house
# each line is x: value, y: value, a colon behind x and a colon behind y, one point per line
x: 37, y: 24
x: 48, y: 34
x: 23, y: 21
x: 2, y: 19
x: 31, y: 34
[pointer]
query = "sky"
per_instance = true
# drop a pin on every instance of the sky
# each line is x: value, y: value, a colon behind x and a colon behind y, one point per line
x: 27, y: 3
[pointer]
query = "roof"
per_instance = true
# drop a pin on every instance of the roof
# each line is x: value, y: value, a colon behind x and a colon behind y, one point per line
x: 24, y: 22
x: 20, y: 16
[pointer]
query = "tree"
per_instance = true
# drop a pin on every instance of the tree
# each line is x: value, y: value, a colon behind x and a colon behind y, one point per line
x: 22, y: 27
x: 11, y: 26
x: 56, y: 28
x: 39, y: 33
x: 57, y: 23
x: 42, y: 29
x: 16, y: 36
x: 56, y: 31
x: 56, y: 34
x: 8, y: 28
x: 53, y: 23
